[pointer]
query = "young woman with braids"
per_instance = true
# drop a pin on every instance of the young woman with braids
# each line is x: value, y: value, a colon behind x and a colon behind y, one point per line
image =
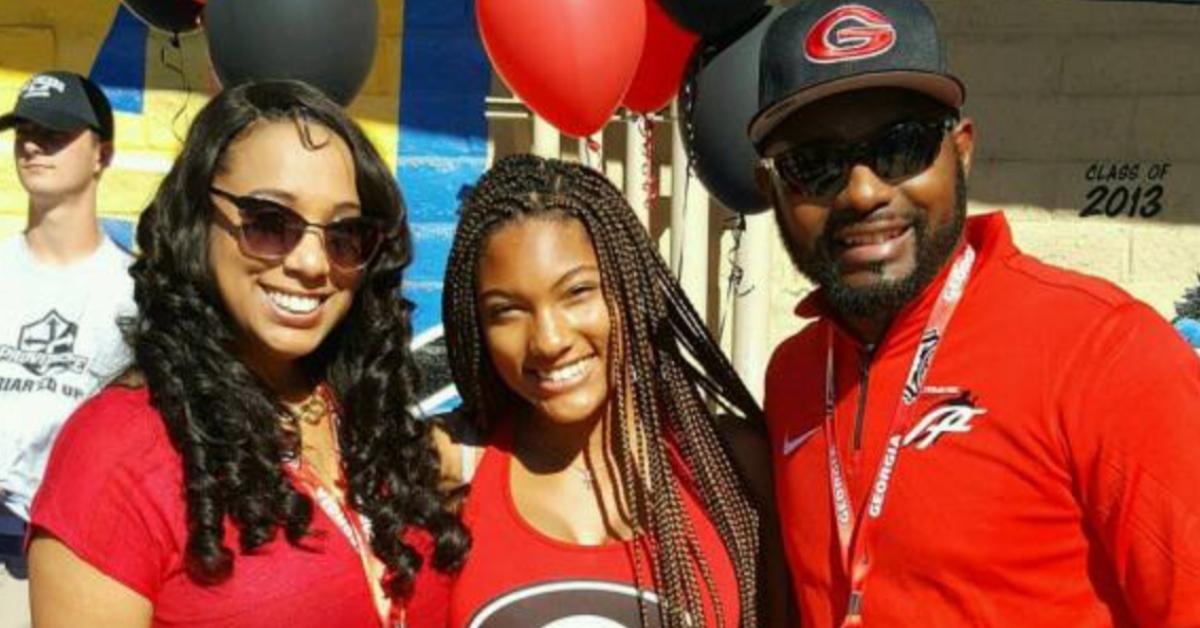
x: 603, y: 489
x: 265, y: 470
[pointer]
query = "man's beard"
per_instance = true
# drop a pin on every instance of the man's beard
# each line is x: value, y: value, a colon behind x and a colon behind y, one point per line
x: 886, y: 296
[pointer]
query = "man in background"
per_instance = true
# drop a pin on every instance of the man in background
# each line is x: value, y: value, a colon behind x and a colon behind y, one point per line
x: 64, y: 283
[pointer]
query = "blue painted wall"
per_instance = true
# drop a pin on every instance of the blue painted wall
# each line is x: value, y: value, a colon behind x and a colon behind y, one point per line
x: 443, y: 135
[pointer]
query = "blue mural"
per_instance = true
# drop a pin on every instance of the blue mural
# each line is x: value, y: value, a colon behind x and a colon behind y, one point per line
x: 442, y: 149
x: 120, y: 66
x: 120, y: 231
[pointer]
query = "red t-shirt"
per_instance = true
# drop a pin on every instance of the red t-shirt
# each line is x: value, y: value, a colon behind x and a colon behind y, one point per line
x: 113, y: 494
x: 1052, y: 477
x: 516, y: 577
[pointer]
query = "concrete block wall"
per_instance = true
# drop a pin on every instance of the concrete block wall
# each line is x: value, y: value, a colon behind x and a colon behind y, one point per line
x: 1056, y: 88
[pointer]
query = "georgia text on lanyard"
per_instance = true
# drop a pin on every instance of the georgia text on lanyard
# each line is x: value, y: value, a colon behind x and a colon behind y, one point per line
x: 853, y: 531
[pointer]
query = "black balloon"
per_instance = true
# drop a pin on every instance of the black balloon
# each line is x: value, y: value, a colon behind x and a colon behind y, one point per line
x: 710, y: 17
x: 329, y: 44
x: 720, y: 97
x: 173, y: 16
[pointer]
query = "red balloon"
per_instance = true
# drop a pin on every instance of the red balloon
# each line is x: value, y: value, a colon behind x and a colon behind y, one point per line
x: 571, y: 61
x: 664, y: 59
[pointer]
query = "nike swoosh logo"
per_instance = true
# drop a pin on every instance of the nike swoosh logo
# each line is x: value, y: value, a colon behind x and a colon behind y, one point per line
x: 790, y: 445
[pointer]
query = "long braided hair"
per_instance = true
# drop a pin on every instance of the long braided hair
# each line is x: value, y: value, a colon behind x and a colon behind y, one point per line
x: 664, y: 368
x: 224, y: 420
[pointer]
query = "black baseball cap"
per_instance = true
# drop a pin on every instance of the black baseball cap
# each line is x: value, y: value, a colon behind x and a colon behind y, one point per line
x: 819, y: 48
x: 62, y: 101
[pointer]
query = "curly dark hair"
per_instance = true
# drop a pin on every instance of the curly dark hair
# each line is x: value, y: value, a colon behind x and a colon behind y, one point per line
x: 224, y: 420
x: 659, y: 333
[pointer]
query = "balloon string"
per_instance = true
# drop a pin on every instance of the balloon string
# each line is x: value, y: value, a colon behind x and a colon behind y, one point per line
x: 649, y: 180
x: 687, y: 182
x: 187, y: 90
x: 684, y: 105
x: 591, y: 149
x: 736, y: 274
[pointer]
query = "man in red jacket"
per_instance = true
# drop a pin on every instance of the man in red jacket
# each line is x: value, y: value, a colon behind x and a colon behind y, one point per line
x: 963, y: 435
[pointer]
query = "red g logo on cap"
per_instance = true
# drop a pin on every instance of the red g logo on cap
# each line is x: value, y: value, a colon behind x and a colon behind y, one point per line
x: 849, y: 33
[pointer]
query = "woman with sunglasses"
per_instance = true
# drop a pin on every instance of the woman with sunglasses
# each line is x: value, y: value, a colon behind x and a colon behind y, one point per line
x: 603, y: 488
x: 259, y: 467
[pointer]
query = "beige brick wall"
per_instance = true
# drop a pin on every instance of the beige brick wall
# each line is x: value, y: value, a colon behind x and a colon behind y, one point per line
x: 1055, y: 86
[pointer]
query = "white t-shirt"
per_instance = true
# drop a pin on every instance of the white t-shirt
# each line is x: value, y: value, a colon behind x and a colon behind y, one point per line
x: 59, y: 342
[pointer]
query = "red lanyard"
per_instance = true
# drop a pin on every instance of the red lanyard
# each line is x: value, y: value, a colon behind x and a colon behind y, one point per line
x: 353, y: 526
x: 853, y: 529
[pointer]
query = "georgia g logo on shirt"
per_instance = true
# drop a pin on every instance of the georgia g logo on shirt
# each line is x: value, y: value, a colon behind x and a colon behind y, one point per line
x: 850, y: 32
x: 570, y: 603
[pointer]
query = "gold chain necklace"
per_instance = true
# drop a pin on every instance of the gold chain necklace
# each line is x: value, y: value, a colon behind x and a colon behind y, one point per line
x: 313, y: 409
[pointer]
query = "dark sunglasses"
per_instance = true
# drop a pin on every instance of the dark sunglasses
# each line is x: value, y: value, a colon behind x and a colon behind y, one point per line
x: 270, y: 231
x: 899, y: 151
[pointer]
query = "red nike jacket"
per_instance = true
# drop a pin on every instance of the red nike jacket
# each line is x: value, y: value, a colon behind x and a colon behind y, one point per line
x: 1052, y: 471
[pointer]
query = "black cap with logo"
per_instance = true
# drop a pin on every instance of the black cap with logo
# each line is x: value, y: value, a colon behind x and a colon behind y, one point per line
x: 62, y: 101
x: 824, y: 47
